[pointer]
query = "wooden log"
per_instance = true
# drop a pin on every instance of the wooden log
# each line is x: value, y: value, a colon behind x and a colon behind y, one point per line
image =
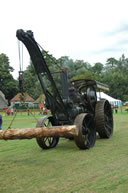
x: 29, y: 133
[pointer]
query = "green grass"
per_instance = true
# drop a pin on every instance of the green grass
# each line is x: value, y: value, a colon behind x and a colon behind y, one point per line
x: 26, y: 168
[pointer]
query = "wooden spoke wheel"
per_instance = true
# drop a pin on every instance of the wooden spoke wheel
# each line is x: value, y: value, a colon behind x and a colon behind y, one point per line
x: 46, y: 142
x: 87, y: 133
x: 104, y: 119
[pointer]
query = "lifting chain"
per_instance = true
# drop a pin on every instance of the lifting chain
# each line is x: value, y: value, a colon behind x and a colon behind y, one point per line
x: 21, y: 82
x: 21, y: 85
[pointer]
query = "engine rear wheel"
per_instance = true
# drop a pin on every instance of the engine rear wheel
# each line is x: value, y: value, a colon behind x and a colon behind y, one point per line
x: 87, y: 133
x: 46, y: 142
x: 104, y: 119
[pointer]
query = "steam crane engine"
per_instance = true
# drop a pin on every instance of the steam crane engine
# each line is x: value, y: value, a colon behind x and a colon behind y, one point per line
x: 75, y: 104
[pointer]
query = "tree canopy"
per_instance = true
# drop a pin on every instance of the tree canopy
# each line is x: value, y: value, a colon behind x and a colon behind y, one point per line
x: 113, y: 73
x: 8, y: 85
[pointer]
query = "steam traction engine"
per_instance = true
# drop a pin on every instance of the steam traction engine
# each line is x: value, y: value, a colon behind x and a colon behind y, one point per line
x: 76, y: 104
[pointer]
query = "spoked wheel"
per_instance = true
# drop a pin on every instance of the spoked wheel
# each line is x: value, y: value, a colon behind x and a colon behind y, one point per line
x: 87, y: 133
x: 46, y: 142
x: 91, y: 98
x: 104, y: 119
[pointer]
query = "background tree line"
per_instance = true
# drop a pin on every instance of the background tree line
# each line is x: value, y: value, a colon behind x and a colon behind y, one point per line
x: 113, y: 73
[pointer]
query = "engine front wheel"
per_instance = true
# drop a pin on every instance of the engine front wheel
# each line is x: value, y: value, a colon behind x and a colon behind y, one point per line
x: 87, y: 132
x: 46, y: 142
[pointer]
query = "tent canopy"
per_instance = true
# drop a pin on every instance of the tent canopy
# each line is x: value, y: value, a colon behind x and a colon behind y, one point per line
x: 102, y: 95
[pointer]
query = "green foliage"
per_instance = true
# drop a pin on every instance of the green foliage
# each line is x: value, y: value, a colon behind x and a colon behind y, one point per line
x: 117, y: 82
x: 75, y: 68
x: 113, y: 72
x: 116, y: 77
x: 85, y: 75
x: 111, y: 62
x: 31, y: 83
x: 97, y: 69
x: 8, y: 85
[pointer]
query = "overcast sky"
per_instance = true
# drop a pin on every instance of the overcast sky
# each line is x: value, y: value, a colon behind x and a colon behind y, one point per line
x: 91, y: 30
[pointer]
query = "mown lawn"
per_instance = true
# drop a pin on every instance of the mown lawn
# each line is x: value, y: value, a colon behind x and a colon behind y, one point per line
x: 26, y: 168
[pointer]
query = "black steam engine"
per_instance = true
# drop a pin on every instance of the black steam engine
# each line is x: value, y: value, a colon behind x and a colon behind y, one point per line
x: 75, y: 103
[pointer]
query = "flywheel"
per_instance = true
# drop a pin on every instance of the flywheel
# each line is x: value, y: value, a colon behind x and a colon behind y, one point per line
x: 104, y: 119
x: 91, y: 98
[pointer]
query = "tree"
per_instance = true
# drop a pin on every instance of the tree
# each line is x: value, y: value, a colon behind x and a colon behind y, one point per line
x: 8, y: 85
x: 113, y: 73
x: 123, y: 64
x: 117, y: 82
x: 85, y: 75
x: 97, y: 71
x: 75, y: 68
x: 97, y: 68
x: 111, y: 62
x: 31, y: 83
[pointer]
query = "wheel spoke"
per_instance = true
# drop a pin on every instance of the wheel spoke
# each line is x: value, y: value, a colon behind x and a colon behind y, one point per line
x: 45, y: 139
x: 48, y: 122
x: 88, y: 142
x: 50, y: 140
x: 90, y: 120
x: 45, y: 124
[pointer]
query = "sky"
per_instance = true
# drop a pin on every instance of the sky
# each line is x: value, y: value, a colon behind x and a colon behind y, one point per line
x: 89, y: 30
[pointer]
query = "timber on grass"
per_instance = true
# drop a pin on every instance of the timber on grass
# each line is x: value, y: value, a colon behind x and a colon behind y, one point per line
x: 29, y: 133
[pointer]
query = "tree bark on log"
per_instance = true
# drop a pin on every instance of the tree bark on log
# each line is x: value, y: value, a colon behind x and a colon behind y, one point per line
x: 29, y: 133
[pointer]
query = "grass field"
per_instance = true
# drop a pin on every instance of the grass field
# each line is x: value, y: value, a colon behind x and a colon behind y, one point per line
x: 26, y: 168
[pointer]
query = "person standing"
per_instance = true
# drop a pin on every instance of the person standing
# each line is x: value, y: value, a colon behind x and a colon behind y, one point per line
x: 28, y: 110
x: 8, y: 111
x: 1, y: 122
